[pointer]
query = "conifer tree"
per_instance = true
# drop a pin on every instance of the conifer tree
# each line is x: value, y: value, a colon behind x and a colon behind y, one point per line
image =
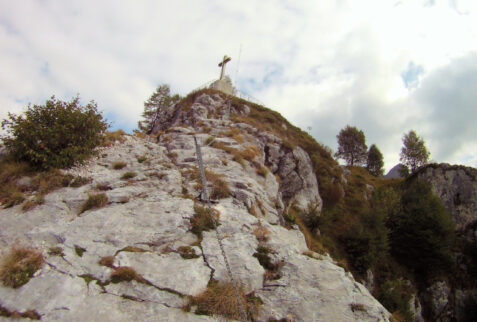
x: 352, y: 146
x: 414, y: 153
x: 375, y: 162
x: 159, y: 101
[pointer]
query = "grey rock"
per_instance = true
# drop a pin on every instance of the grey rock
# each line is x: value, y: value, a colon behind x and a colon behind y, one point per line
x: 168, y: 271
x: 303, y: 279
x: 456, y: 186
x: 157, y: 219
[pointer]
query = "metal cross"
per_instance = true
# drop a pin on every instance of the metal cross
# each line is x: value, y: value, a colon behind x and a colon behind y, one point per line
x: 224, y: 61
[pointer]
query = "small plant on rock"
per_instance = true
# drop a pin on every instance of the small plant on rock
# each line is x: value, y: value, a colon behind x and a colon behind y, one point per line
x: 107, y: 261
x: 219, y: 299
x: 94, y: 201
x: 118, y: 165
x: 125, y: 274
x: 56, y: 251
x: 18, y: 267
x: 187, y: 252
x: 128, y: 175
x: 261, y: 233
x: 202, y: 221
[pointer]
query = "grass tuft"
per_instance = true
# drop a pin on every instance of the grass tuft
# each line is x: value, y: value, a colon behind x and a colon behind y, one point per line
x: 202, y: 221
x: 125, y: 274
x: 94, y: 201
x: 107, y: 261
x: 118, y: 165
x: 219, y: 299
x: 56, y: 251
x: 128, y: 175
x: 18, y: 267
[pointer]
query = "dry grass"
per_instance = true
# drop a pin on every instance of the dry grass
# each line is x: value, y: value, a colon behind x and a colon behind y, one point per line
x: 187, y: 252
x: 235, y: 134
x: 118, y: 165
x: 107, y: 261
x: 128, y: 175
x: 202, y: 220
x: 56, y: 251
x: 94, y: 201
x: 125, y: 274
x: 28, y: 314
x: 261, y: 233
x: 261, y: 171
x: 111, y: 137
x: 220, y: 188
x: 18, y: 266
x: 220, y: 299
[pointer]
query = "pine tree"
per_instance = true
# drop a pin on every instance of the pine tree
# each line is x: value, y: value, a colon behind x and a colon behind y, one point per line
x: 375, y: 162
x: 352, y: 146
x: 414, y: 153
x: 154, y: 106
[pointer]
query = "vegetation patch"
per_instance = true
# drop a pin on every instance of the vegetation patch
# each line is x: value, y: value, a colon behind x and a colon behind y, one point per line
x: 125, y: 274
x: 131, y: 249
x: 107, y: 261
x: 28, y: 314
x: 56, y: 251
x: 54, y: 135
x: 94, y: 201
x: 357, y: 307
x: 202, y: 220
x: 111, y: 138
x: 141, y: 158
x: 272, y: 268
x: 118, y: 165
x: 79, y: 250
x: 261, y: 171
x: 220, y: 188
x: 261, y: 233
x: 187, y: 252
x: 220, y: 299
x: 128, y: 175
x: 18, y: 266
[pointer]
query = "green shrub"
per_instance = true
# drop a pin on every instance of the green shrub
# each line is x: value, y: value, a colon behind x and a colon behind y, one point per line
x: 18, y: 267
x: 94, y: 201
x: 422, y: 232
x: 395, y: 296
x: 55, y: 135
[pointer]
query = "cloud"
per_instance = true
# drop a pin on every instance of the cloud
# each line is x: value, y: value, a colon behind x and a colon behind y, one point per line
x: 448, y: 96
x: 372, y: 64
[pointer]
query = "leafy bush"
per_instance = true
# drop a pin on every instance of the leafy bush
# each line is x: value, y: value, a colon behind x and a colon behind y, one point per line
x: 55, y: 135
x: 18, y: 267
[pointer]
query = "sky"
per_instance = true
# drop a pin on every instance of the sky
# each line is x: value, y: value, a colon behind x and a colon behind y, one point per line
x: 385, y: 67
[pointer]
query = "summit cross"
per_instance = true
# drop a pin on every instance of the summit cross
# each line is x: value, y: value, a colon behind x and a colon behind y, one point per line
x: 224, y: 61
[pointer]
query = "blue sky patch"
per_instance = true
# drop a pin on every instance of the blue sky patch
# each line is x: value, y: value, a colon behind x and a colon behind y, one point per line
x: 410, y: 77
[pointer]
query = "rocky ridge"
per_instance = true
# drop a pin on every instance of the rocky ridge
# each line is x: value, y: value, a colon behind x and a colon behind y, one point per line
x: 148, y: 219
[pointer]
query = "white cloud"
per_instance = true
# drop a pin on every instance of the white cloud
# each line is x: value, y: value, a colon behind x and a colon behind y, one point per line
x: 323, y: 64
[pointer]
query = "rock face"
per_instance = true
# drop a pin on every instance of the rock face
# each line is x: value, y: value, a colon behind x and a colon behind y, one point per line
x: 396, y: 171
x: 146, y: 226
x: 456, y: 186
